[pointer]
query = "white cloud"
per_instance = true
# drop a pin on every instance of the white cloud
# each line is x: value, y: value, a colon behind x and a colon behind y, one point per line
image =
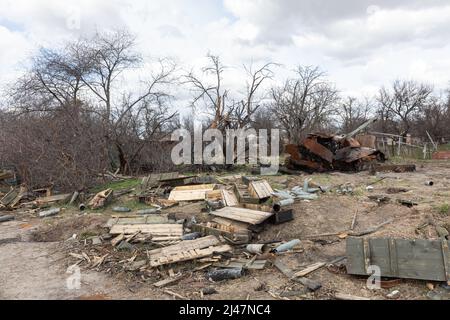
x: 361, y: 43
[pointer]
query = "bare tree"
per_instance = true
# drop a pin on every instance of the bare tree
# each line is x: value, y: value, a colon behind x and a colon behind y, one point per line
x: 305, y: 102
x: 353, y: 112
x: 54, y: 80
x: 225, y: 111
x: 402, y: 102
x: 87, y: 76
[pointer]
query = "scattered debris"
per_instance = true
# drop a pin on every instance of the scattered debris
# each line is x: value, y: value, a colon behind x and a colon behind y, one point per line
x: 344, y: 296
x: 393, y: 295
x: 396, y: 190
x: 394, y: 168
x: 407, y: 203
x: 324, y: 152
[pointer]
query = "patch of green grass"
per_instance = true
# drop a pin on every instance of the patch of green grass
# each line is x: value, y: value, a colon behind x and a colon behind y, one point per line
x: 444, y: 209
x: 117, y: 185
x: 323, y: 178
x: 133, y: 205
x: 88, y: 234
x: 359, y: 192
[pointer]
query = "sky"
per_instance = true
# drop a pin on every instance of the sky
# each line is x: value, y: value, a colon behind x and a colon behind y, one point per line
x: 361, y: 44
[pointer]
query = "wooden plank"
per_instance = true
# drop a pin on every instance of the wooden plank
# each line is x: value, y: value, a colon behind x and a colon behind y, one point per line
x: 167, y: 281
x: 446, y: 259
x: 190, y: 193
x: 414, y: 259
x: 172, y: 230
x: 151, y: 219
x: 310, y: 284
x: 243, y: 264
x: 252, y: 217
x: 344, y: 296
x: 309, y: 269
x: 260, y: 189
x: 200, y: 187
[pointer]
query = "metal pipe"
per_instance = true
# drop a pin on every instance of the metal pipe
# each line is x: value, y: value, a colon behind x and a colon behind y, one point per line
x: 429, y: 183
x: 50, y: 212
x: 121, y: 209
x: 6, y: 218
x: 148, y: 211
x: 255, y: 248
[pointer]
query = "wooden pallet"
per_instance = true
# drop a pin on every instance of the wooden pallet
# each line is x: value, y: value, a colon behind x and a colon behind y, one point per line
x: 159, y: 232
x: 190, y: 193
x: 186, y: 250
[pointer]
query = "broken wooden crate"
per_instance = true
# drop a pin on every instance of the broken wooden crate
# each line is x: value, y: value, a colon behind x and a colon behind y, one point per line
x: 243, y: 194
x: 227, y: 197
x: 186, y: 250
x: 53, y: 199
x: 101, y: 199
x: 399, y: 258
x: 237, y: 234
x: 191, y: 193
x: 260, y: 189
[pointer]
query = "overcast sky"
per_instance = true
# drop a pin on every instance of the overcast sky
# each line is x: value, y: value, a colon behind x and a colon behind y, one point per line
x: 361, y: 44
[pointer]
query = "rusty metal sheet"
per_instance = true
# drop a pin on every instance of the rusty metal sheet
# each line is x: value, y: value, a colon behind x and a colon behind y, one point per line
x: 350, y: 154
x: 316, y: 148
x: 316, y: 166
x: 350, y: 142
x: 294, y: 151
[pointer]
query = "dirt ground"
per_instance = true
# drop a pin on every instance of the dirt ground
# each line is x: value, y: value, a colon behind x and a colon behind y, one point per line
x: 34, y: 252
